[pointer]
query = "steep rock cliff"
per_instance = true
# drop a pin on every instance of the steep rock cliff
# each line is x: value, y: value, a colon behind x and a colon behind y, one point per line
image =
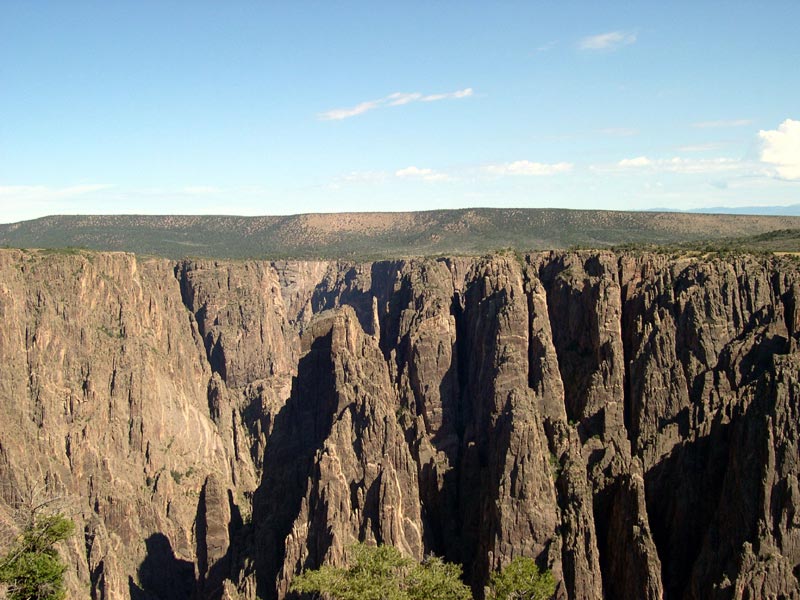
x: 630, y: 422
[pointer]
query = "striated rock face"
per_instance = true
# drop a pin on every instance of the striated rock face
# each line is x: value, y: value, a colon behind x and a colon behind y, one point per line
x: 213, y: 428
x: 362, y: 481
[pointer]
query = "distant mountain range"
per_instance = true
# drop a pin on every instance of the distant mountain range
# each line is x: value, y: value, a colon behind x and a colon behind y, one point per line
x: 792, y: 210
x: 386, y: 235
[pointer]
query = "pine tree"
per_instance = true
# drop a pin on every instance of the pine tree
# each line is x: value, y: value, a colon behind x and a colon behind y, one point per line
x: 382, y: 573
x: 32, y: 568
x: 521, y: 579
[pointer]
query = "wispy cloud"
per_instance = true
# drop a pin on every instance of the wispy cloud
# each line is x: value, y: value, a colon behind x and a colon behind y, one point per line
x: 358, y: 178
x: 413, y: 173
x: 608, y: 41
x: 707, y: 147
x: 423, y: 174
x: 526, y: 167
x: 781, y: 149
x: 19, y: 202
x: 678, y: 164
x: 618, y: 131
x: 365, y: 176
x: 545, y: 47
x: 639, y: 161
x: 458, y: 94
x: 395, y: 99
x: 43, y: 193
x: 200, y: 190
x: 722, y: 124
x: 338, y: 114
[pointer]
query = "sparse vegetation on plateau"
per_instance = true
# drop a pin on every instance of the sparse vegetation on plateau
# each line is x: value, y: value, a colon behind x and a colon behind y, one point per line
x: 375, y: 236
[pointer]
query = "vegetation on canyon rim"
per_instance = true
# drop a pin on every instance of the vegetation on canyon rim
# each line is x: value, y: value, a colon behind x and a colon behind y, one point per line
x: 382, y: 573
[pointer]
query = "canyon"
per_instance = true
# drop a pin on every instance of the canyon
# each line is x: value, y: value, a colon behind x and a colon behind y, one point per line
x: 629, y: 420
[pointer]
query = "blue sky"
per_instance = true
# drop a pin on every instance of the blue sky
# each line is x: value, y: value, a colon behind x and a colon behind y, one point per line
x: 278, y: 108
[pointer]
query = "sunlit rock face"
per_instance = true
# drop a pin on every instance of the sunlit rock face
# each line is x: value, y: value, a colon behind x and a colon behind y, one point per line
x: 629, y: 421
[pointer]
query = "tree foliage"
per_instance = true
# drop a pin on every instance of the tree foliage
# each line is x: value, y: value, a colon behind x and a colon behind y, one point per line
x: 382, y: 573
x: 32, y: 568
x: 521, y: 579
x: 435, y: 579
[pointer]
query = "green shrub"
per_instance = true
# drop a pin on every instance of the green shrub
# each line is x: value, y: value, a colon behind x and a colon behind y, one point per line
x: 521, y: 579
x: 435, y: 579
x: 32, y: 568
x: 382, y: 573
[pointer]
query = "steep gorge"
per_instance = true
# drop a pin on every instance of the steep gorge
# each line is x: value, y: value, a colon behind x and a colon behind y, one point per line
x: 630, y: 421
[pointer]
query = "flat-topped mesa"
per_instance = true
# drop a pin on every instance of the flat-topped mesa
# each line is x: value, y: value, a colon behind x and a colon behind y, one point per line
x: 389, y: 236
x: 628, y: 421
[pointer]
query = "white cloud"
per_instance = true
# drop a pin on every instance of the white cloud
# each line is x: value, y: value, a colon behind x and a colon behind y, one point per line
x: 546, y: 47
x: 702, y: 147
x: 704, y: 165
x: 394, y: 99
x: 721, y: 124
x: 607, y: 41
x: 413, y: 172
x: 399, y: 98
x: 43, y: 193
x: 20, y: 202
x: 526, y: 167
x: 200, y: 190
x: 457, y: 95
x: 781, y: 148
x: 639, y: 161
x: 679, y: 164
x: 362, y: 177
x: 338, y: 114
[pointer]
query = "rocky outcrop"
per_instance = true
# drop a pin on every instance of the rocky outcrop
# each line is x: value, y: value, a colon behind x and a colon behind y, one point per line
x: 630, y: 422
x: 104, y: 406
x: 751, y: 547
x: 699, y: 336
x: 362, y: 482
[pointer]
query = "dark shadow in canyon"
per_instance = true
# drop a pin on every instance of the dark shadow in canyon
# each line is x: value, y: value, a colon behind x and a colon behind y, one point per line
x: 683, y: 492
x: 162, y: 575
x: 300, y: 429
x: 345, y: 291
x: 212, y: 576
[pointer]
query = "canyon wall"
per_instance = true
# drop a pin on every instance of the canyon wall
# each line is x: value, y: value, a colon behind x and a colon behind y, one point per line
x: 631, y: 422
